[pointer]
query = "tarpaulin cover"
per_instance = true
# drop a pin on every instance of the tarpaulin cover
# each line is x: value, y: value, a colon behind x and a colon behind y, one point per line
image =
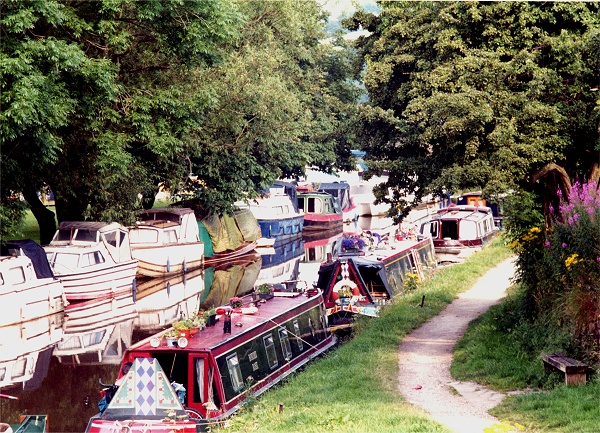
x: 247, y: 224
x: 223, y: 232
x: 35, y: 252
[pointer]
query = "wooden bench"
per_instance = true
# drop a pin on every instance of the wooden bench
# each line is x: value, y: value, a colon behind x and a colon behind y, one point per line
x: 575, y: 371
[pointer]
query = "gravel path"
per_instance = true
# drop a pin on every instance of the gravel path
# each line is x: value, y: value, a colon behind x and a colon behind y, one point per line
x: 426, y: 355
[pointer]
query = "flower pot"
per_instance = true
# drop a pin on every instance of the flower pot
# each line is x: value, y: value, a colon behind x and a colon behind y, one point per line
x: 171, y: 341
x: 184, y: 333
x: 266, y: 296
x: 194, y: 330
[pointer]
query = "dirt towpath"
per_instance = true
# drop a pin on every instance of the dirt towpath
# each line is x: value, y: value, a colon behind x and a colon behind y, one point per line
x: 426, y: 355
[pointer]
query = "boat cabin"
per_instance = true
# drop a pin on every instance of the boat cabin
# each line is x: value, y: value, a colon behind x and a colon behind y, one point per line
x: 459, y: 225
x: 247, y: 351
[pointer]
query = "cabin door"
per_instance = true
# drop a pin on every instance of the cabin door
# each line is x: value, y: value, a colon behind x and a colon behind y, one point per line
x: 203, y: 385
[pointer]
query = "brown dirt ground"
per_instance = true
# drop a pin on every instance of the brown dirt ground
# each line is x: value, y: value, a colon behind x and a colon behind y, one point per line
x: 426, y: 355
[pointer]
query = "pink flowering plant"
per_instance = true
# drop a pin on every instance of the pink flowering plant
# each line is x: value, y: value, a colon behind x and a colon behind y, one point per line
x: 571, y: 264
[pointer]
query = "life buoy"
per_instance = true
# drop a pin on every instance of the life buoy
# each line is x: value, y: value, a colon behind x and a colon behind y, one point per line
x: 344, y: 282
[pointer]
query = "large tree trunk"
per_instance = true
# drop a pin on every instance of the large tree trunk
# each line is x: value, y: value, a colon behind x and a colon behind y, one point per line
x: 44, y: 216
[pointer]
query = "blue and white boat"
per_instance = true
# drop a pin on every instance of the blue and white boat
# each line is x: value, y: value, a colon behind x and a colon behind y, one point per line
x: 277, y: 213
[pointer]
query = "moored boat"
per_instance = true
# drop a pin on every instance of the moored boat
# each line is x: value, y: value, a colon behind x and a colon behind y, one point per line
x: 92, y: 259
x: 458, y: 230
x: 368, y: 275
x: 341, y: 190
x: 166, y: 241
x: 250, y: 353
x: 28, y: 288
x: 322, y: 211
x: 277, y: 212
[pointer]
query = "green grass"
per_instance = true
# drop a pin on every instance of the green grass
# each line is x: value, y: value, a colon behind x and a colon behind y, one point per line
x: 355, y: 387
x: 503, y: 351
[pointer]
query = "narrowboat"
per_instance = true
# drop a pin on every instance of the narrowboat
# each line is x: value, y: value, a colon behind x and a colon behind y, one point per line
x: 277, y: 212
x: 92, y: 259
x: 322, y: 211
x: 166, y: 241
x: 341, y: 191
x: 28, y: 288
x: 221, y: 365
x: 369, y: 274
x: 458, y: 230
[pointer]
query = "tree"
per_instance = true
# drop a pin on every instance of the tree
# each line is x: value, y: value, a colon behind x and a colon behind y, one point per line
x: 470, y: 95
x: 98, y: 99
x: 281, y: 100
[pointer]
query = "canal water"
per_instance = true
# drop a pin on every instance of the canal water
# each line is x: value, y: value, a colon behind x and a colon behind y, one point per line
x: 63, y: 378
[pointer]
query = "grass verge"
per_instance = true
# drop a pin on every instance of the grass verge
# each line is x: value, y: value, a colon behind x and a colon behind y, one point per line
x: 502, y: 350
x: 355, y: 387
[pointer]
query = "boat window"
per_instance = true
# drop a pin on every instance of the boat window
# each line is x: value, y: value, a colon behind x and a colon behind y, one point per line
x: 91, y: 259
x: 143, y: 236
x: 430, y: 228
x: 170, y: 237
x: 62, y: 235
x: 301, y: 203
x: 1, y: 280
x: 312, y: 327
x: 450, y: 229
x: 468, y: 230
x: 270, y: 349
x: 16, y: 275
x: 235, y: 372
x: 298, y: 335
x: 285, y: 344
x: 65, y: 262
x: 2, y: 374
x: 19, y: 368
x: 111, y: 238
x: 85, y: 235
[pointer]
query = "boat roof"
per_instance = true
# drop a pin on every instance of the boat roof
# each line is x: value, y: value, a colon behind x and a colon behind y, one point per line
x: 463, y: 212
x: 145, y: 392
x: 89, y: 225
x: 167, y: 211
x: 213, y: 336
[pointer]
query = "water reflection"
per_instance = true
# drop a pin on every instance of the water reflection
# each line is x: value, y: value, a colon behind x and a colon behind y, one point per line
x: 90, y: 343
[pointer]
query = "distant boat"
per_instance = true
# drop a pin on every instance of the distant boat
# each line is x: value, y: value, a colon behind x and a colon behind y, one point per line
x: 28, y: 288
x: 341, y: 191
x: 244, y: 355
x: 457, y: 230
x: 228, y: 237
x: 166, y: 241
x: 92, y: 259
x: 277, y: 212
x: 322, y: 211
x: 366, y: 277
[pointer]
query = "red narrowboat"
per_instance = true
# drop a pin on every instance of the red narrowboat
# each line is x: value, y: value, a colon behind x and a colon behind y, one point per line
x: 249, y: 350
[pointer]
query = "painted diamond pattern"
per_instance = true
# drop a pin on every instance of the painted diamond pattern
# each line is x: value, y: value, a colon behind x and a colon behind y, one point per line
x: 145, y: 388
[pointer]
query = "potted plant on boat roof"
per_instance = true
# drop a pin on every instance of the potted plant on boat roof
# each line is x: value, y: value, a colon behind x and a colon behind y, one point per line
x: 265, y: 291
x: 171, y: 337
x: 198, y: 322
x: 183, y: 326
x: 236, y: 302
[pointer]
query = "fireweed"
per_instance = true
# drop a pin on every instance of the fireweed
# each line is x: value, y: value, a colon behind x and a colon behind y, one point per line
x: 572, y: 267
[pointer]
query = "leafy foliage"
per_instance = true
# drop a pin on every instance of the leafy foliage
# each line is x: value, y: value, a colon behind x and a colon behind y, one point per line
x: 478, y: 95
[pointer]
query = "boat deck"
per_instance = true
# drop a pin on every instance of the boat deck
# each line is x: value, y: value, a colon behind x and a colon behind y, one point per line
x: 272, y: 310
